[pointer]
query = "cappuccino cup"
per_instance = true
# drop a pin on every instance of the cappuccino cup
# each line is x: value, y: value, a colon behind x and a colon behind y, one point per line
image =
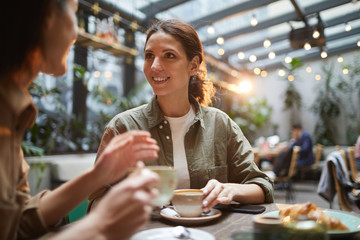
x: 188, y: 202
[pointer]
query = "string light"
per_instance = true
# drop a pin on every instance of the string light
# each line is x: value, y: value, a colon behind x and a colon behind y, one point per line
x: 323, y: 54
x: 316, y: 34
x: 281, y: 73
x: 288, y: 59
x: 263, y: 73
x: 271, y: 55
x: 253, y: 21
x: 340, y: 59
x: 241, y: 55
x: 317, y: 77
x: 257, y: 71
x: 291, y: 78
x: 307, y: 46
x: 358, y: 43
x: 266, y: 43
x: 220, y: 40
x: 211, y: 30
x: 308, y: 69
x: 252, y: 58
x: 347, y: 27
x: 345, y: 71
x: 221, y: 51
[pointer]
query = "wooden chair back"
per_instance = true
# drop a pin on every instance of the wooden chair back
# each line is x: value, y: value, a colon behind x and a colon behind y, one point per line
x: 352, y: 163
x: 343, y: 205
x: 294, y: 156
x: 318, y: 153
x: 343, y: 154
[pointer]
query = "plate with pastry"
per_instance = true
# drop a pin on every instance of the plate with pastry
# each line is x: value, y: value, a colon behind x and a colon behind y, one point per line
x: 338, y: 223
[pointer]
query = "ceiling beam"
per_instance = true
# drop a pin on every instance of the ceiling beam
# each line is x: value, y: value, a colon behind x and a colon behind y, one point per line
x: 156, y: 7
x: 329, y: 38
x: 228, y: 12
x: 315, y: 55
x: 287, y: 17
x: 257, y: 44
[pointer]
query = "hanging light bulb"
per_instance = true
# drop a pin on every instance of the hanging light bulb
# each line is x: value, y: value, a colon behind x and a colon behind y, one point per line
x: 266, y: 43
x: 323, y: 54
x: 263, y: 73
x: 257, y: 71
x: 211, y: 29
x: 347, y: 27
x: 220, y: 40
x: 252, y: 58
x: 241, y: 55
x: 307, y: 46
x: 271, y: 55
x: 288, y: 59
x: 316, y: 34
x: 253, y: 20
x: 281, y: 72
x: 221, y: 51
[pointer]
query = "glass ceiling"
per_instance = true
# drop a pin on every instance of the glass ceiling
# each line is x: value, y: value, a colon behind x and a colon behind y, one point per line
x: 276, y: 18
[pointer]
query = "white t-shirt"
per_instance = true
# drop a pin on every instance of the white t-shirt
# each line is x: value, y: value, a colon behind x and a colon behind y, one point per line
x: 179, y: 127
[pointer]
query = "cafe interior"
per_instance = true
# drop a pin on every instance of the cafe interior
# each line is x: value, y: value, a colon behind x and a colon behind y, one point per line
x: 274, y: 63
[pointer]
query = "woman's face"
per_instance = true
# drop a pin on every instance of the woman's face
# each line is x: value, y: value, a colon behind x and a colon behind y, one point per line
x: 166, y: 66
x: 60, y: 33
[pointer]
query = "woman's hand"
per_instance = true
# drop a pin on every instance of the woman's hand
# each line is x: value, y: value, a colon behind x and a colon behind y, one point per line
x: 123, y: 152
x: 216, y: 192
x: 126, y: 207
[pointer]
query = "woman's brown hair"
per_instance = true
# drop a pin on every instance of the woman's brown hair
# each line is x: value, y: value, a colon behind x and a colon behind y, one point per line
x: 200, y: 87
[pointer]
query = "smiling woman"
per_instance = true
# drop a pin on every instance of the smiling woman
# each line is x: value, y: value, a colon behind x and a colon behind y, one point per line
x: 205, y: 146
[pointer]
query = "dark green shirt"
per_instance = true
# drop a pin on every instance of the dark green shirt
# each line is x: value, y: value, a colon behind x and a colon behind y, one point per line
x: 215, y: 145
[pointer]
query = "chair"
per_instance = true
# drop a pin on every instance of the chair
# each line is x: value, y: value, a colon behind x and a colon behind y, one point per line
x: 343, y: 203
x: 353, y: 169
x: 287, y: 180
x: 343, y: 154
x: 77, y: 213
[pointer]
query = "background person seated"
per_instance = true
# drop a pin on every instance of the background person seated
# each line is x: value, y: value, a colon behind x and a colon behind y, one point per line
x: 302, y: 139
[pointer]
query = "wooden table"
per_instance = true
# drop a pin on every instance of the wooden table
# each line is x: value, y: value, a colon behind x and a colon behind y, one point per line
x: 223, y: 227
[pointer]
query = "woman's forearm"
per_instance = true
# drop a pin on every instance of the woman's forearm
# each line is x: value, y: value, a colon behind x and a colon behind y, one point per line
x: 247, y: 193
x: 56, y: 204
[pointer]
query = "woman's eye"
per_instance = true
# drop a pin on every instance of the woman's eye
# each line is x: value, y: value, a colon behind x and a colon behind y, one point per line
x: 148, y: 56
x: 169, y: 55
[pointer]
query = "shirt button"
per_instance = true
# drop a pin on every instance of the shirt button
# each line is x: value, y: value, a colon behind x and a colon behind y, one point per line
x: 165, y: 122
x: 167, y: 137
x: 161, y: 126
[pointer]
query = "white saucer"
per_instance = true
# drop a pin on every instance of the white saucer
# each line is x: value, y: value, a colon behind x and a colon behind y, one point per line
x: 167, y: 234
x: 214, y: 213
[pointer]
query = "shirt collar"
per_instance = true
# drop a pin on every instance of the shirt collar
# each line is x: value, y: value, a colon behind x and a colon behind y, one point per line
x: 156, y: 116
